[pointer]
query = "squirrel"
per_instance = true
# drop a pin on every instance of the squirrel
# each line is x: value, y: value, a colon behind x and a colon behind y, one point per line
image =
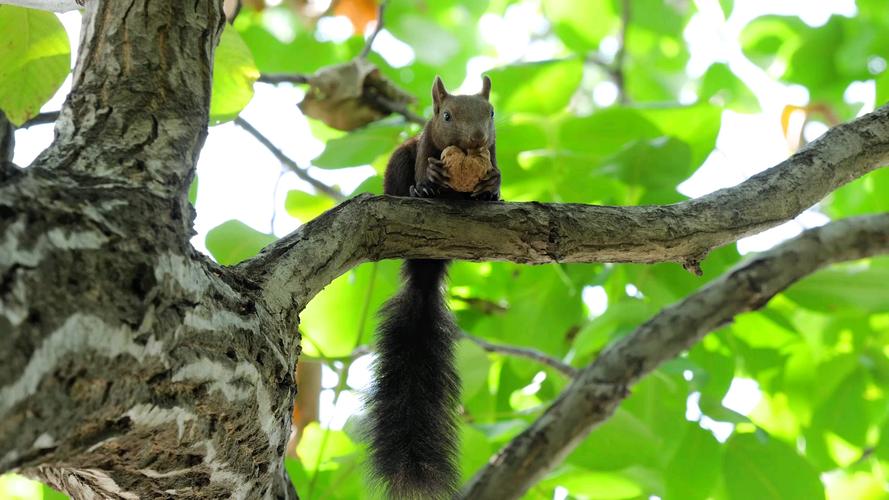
x: 412, y: 404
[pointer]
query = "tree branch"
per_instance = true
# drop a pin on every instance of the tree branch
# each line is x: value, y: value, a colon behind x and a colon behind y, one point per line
x: 524, y: 352
x: 42, y: 119
x: 600, y: 387
x: 618, y: 72
x: 275, y: 78
x: 369, y: 228
x: 286, y: 160
x: 373, y: 36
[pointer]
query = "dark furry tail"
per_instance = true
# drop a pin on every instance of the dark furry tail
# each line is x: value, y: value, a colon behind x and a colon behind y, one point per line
x: 412, y: 404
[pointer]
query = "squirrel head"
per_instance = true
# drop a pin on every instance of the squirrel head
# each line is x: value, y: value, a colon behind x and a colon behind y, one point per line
x: 465, y: 121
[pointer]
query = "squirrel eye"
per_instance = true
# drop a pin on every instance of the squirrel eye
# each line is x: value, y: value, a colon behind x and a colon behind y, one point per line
x: 447, y: 116
x: 492, y: 113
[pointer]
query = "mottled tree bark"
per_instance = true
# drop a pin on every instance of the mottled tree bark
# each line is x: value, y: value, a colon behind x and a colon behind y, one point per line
x: 134, y: 367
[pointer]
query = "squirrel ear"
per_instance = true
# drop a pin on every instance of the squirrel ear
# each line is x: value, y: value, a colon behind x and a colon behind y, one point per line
x: 486, y: 87
x: 439, y: 93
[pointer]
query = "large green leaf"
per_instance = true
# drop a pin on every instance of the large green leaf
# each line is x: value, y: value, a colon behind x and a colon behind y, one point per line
x: 233, y: 76
x: 622, y: 441
x: 281, y: 43
x: 360, y: 147
x: 539, y: 87
x: 721, y: 87
x: 35, y: 58
x: 761, y: 467
x: 833, y: 290
x: 581, y: 24
x: 344, y: 314
x: 233, y: 241
x: 694, y: 469
x: 305, y: 206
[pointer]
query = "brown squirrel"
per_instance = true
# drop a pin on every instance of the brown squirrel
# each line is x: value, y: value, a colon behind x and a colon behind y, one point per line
x: 465, y: 121
x: 412, y: 405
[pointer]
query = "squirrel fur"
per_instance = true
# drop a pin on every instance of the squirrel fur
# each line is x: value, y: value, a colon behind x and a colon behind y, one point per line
x: 412, y: 404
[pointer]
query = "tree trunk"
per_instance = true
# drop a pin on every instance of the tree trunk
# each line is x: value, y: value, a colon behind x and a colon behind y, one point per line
x: 133, y: 366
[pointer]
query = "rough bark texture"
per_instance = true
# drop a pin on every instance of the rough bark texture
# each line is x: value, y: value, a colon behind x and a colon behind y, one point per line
x: 135, y: 368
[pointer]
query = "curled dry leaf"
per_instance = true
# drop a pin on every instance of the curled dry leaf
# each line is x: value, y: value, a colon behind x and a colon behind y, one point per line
x: 351, y: 95
x: 466, y: 169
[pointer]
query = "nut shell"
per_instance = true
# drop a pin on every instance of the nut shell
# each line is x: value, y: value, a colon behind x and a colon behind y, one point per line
x: 465, y: 170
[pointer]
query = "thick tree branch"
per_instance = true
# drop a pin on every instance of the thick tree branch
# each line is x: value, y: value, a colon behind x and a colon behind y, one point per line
x: 600, y: 387
x: 367, y: 228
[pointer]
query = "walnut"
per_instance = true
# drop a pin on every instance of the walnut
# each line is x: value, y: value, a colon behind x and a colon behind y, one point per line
x: 466, y: 169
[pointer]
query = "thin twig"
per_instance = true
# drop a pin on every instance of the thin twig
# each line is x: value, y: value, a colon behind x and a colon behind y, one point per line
x: 276, y: 78
x: 379, y: 27
x: 524, y: 352
x: 275, y: 201
x: 397, y: 108
x: 618, y: 69
x: 299, y: 171
x: 42, y: 119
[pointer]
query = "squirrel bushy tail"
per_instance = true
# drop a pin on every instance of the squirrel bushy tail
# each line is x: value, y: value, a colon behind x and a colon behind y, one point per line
x: 412, y: 403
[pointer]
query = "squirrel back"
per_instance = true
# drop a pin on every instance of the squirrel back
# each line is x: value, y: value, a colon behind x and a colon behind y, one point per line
x: 412, y: 405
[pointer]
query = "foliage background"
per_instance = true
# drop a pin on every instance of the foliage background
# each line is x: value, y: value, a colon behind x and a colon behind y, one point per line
x: 595, y: 104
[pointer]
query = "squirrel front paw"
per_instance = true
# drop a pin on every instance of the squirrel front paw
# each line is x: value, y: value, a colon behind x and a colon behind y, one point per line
x: 488, y: 189
x: 425, y: 190
x: 436, y: 171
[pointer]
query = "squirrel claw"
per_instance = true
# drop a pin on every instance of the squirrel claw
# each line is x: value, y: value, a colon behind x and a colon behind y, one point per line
x: 488, y: 189
x: 486, y: 196
x: 425, y: 190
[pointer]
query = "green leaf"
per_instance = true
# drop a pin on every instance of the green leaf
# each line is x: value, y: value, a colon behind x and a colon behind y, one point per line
x: 475, y: 451
x: 581, y: 24
x: 622, y: 441
x: 658, y: 166
x: 360, y: 147
x: 473, y: 366
x: 315, y: 456
x: 697, y: 125
x: 281, y: 42
x: 344, y: 314
x: 833, y: 290
x: 594, y: 484
x: 234, y: 73
x: 727, y: 7
x: 845, y: 413
x: 883, y: 89
x: 721, y: 87
x: 770, y: 38
x: 605, y: 132
x: 758, y: 466
x: 305, y: 206
x: 862, y: 196
x: 233, y: 241
x: 35, y: 58
x: 193, y: 191
x: 694, y: 469
x: 538, y: 87
x: 372, y: 185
